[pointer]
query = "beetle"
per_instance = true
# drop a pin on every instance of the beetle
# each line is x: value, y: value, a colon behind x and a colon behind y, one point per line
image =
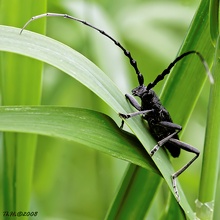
x: 159, y: 120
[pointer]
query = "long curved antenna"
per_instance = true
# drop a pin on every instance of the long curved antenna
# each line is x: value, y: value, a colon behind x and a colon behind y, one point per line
x: 167, y: 70
x: 126, y: 52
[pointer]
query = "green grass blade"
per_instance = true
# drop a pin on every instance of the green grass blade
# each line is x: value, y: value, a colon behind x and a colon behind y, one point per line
x: 17, y: 74
x: 214, y: 20
x: 211, y: 155
x: 101, y: 133
x: 172, y: 211
x: 64, y: 58
x: 189, y: 73
x: 137, y: 181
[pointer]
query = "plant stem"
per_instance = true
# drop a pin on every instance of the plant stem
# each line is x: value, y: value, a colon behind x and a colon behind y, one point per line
x: 210, y: 169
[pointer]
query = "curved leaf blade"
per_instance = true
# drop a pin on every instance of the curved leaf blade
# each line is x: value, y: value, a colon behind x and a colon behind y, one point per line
x: 87, y: 127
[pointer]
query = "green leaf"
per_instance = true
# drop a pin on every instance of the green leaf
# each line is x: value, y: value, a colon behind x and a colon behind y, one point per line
x: 188, y: 77
x: 135, y: 195
x: 17, y: 74
x: 214, y: 20
x: 87, y: 127
x: 211, y: 155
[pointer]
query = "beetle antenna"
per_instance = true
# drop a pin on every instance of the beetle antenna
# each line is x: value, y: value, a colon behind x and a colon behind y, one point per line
x: 126, y: 52
x: 167, y: 70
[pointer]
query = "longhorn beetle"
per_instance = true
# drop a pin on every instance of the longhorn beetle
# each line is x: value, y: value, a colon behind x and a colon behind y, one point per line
x: 160, y: 123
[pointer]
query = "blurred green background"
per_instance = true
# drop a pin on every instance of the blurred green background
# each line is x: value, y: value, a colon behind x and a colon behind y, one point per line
x: 64, y: 185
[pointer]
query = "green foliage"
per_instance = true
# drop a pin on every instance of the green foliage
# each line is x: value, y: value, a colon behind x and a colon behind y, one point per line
x: 70, y: 179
